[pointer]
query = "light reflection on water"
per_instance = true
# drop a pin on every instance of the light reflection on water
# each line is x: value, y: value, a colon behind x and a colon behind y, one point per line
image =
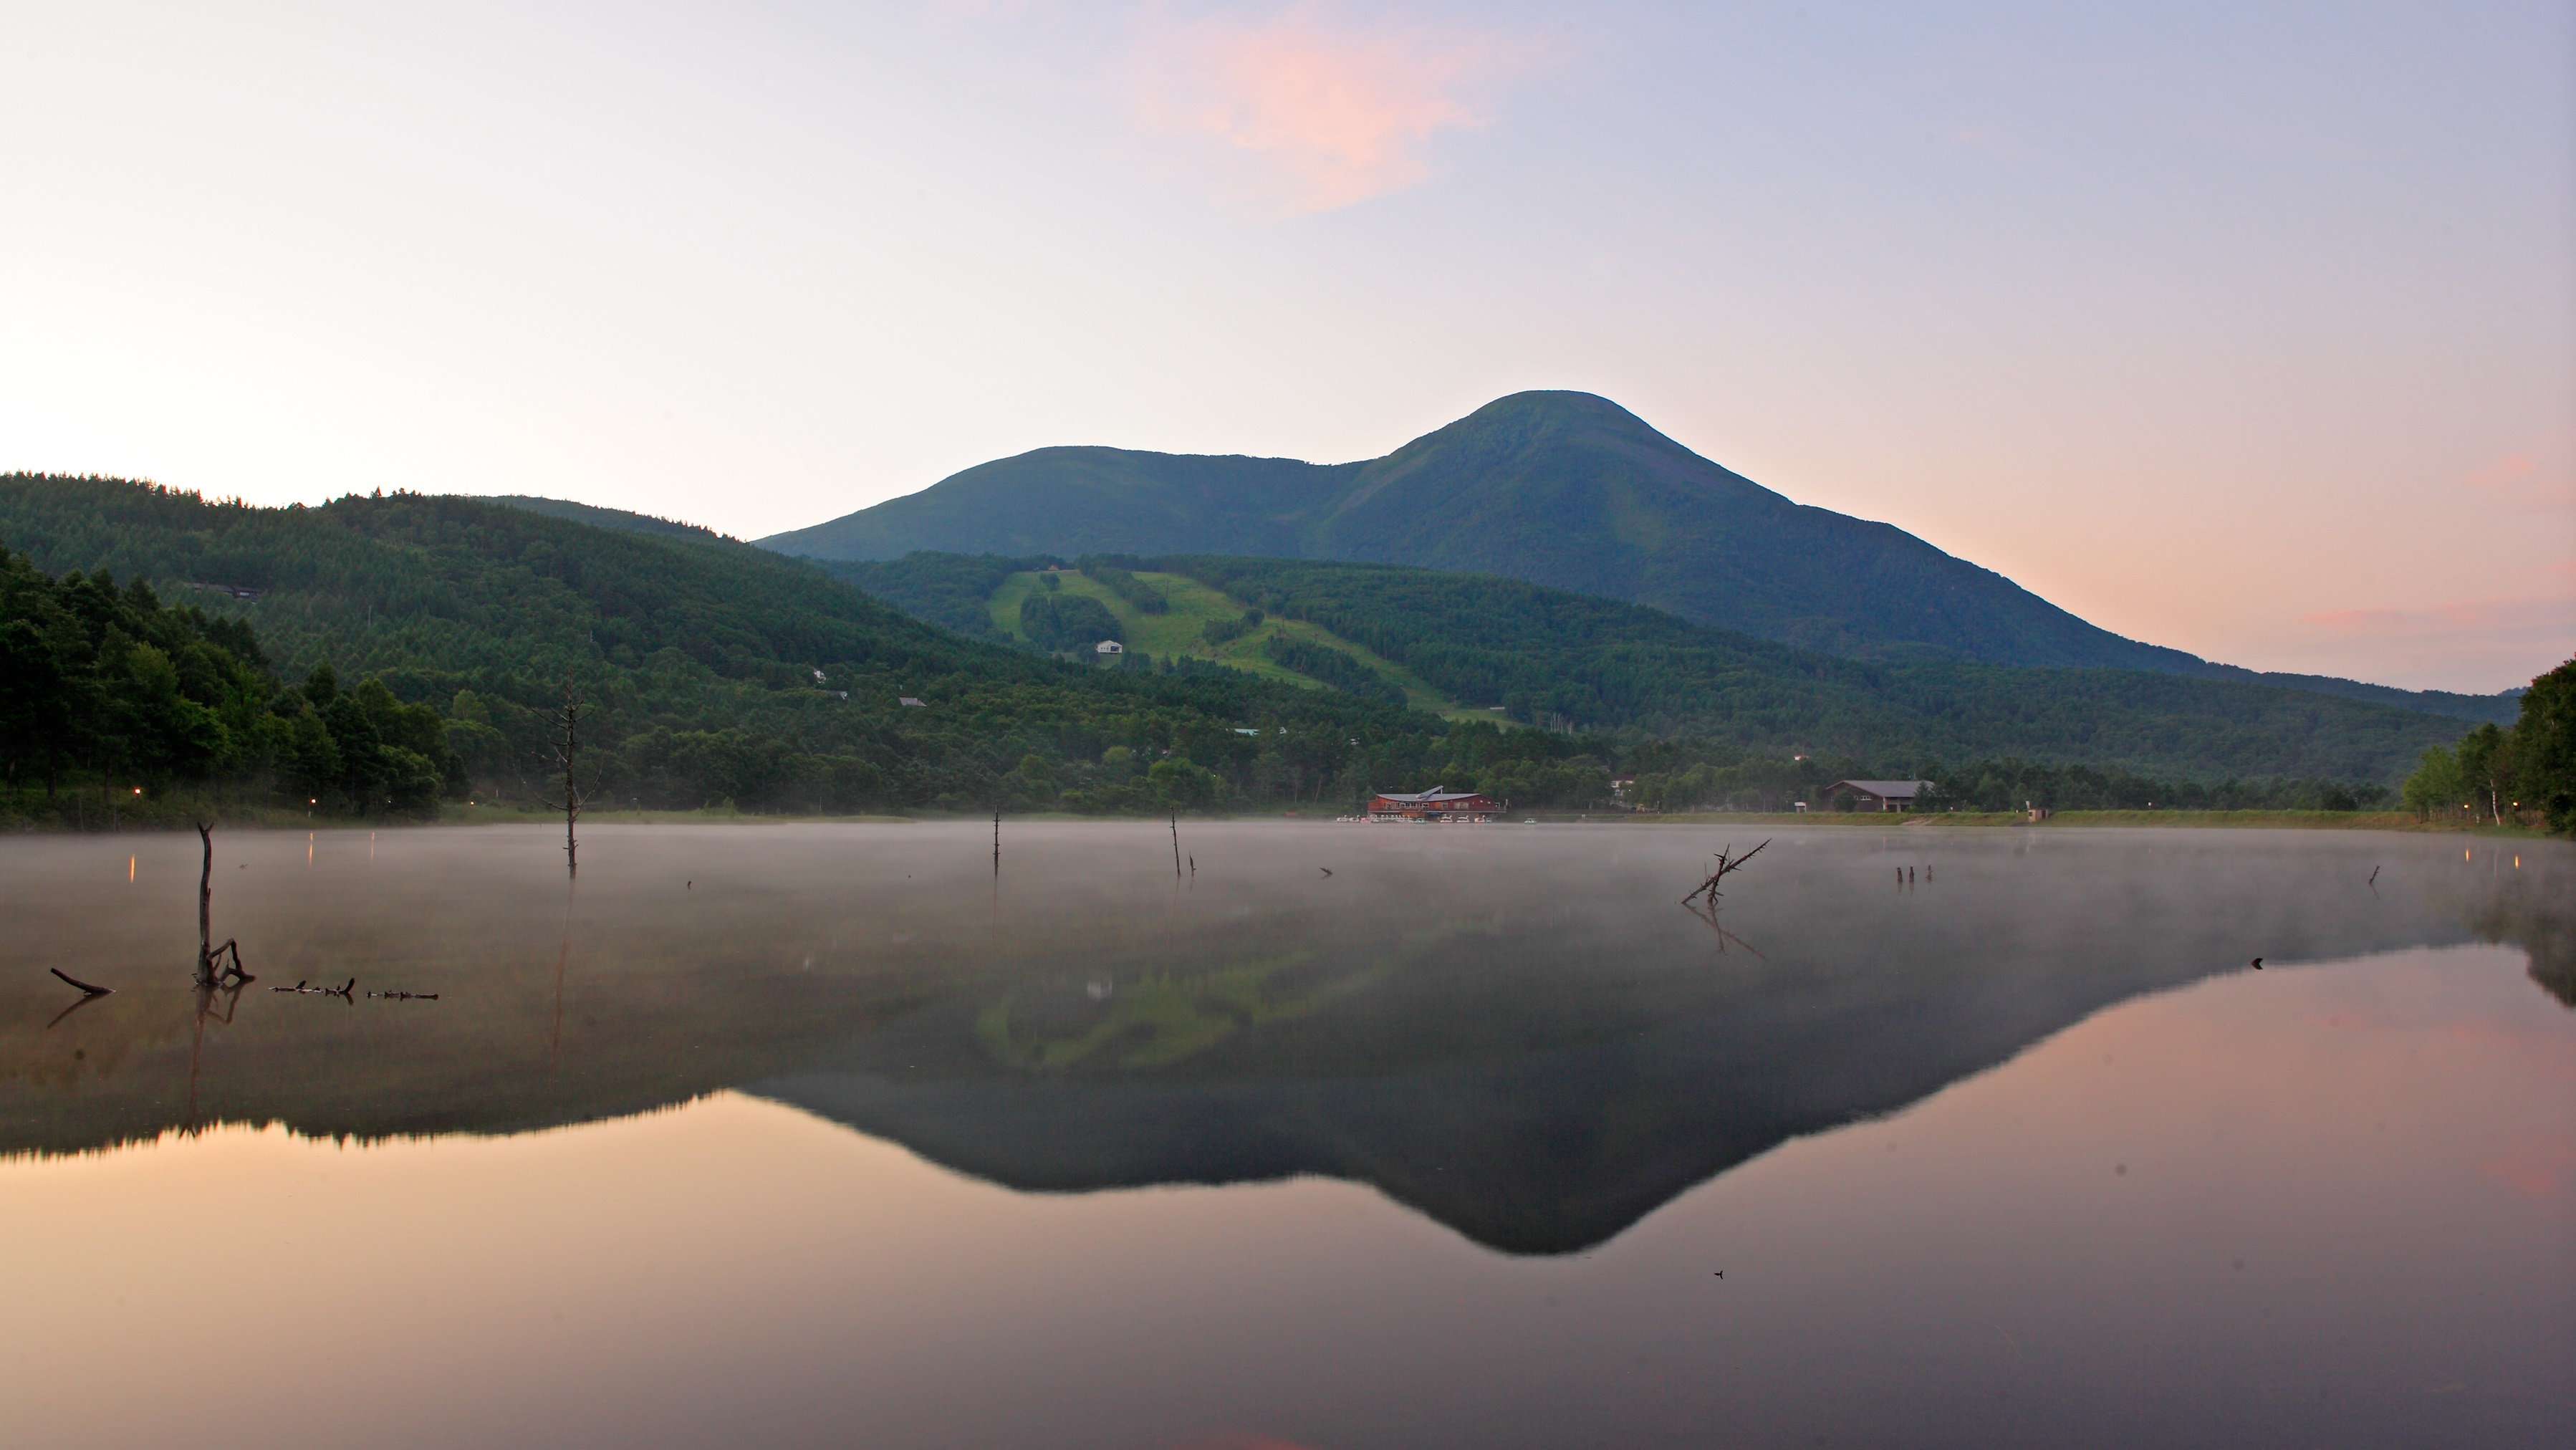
x: 1481, y: 1116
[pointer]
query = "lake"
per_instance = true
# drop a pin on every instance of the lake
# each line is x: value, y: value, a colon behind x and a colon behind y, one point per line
x: 1291, y: 1135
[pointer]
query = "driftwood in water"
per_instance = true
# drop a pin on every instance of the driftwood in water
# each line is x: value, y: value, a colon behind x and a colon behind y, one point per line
x: 403, y: 996
x: 87, y: 989
x: 306, y: 989
x: 233, y: 972
x: 1726, y: 861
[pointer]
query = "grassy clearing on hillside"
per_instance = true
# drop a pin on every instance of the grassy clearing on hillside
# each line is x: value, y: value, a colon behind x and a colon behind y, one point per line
x: 1183, y: 632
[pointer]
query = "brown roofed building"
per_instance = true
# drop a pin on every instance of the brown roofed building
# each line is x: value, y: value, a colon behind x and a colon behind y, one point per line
x: 1434, y: 804
x: 1879, y: 795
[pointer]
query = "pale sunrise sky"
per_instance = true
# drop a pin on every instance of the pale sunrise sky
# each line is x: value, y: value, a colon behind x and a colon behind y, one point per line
x: 2246, y: 329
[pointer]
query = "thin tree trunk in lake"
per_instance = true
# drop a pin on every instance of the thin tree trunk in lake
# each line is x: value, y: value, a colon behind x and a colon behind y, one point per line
x: 1176, y: 845
x: 567, y: 754
x: 207, y: 952
x: 206, y: 907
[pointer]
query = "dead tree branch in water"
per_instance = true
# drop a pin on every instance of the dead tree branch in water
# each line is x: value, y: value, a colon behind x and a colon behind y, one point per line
x: 402, y: 996
x: 1176, y: 843
x: 344, y: 991
x: 1726, y: 861
x: 233, y: 972
x: 87, y: 989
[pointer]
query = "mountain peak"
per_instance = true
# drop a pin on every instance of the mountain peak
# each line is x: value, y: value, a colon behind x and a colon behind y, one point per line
x: 1545, y: 412
x: 1554, y: 486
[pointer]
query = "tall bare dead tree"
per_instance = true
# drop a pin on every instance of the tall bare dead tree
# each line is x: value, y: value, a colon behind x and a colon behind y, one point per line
x: 567, y: 748
x: 207, y: 952
x: 206, y: 907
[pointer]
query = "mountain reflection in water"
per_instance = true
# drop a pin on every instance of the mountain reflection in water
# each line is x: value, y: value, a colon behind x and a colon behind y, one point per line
x: 1517, y: 1031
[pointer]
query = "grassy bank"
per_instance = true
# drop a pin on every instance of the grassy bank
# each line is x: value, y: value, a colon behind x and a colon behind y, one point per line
x: 487, y: 814
x: 179, y: 811
x: 90, y: 809
x: 1946, y: 820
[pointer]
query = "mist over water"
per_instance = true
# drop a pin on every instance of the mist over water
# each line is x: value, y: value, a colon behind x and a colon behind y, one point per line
x: 1333, y: 1135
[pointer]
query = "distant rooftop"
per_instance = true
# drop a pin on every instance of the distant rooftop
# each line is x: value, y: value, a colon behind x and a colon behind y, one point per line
x: 1893, y: 790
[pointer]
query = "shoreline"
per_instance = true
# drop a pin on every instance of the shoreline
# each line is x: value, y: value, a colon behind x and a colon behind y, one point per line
x: 2224, y: 820
x: 453, y: 814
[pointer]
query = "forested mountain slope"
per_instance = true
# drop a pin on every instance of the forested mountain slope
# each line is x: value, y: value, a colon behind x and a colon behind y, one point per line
x: 606, y: 518
x: 1473, y: 643
x: 1550, y: 654
x: 716, y: 671
x: 1558, y: 488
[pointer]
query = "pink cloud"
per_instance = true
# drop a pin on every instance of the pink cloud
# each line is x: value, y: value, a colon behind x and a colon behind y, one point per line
x: 2526, y: 479
x: 2534, y: 1168
x: 2475, y: 645
x: 2355, y: 620
x: 2512, y: 614
x: 1339, y: 111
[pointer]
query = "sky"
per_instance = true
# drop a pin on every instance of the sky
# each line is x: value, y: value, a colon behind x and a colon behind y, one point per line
x: 2248, y: 330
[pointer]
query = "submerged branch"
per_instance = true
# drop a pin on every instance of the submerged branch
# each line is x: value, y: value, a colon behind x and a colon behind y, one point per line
x: 233, y: 972
x: 88, y: 988
x: 1726, y: 862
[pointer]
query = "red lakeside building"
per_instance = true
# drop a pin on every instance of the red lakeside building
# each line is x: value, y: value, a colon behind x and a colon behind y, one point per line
x: 1433, y: 805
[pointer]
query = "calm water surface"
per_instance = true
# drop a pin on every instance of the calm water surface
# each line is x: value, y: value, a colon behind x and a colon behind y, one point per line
x: 814, y: 1135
